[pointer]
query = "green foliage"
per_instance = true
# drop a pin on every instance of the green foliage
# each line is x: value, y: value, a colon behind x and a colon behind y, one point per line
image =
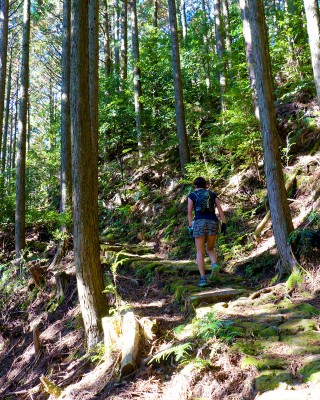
x: 210, y: 326
x: 295, y: 279
x: 179, y: 352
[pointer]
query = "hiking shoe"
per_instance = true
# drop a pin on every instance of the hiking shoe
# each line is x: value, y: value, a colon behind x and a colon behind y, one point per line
x: 214, y: 270
x: 203, y: 281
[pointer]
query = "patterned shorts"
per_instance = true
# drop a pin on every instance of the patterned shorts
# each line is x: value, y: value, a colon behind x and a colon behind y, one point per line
x: 205, y: 227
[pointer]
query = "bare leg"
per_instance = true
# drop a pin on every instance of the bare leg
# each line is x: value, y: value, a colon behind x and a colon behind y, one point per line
x: 200, y: 241
x: 211, y: 241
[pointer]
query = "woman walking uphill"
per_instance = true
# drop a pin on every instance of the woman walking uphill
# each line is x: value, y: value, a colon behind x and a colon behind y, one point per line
x: 204, y: 227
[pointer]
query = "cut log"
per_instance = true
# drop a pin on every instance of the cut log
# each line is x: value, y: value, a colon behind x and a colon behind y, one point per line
x: 130, y: 343
x: 111, y: 332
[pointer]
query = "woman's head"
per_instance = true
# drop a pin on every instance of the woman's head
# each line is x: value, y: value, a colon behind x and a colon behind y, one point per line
x: 200, y: 182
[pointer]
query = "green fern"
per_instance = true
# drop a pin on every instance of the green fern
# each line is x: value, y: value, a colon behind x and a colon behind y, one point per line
x: 180, y: 352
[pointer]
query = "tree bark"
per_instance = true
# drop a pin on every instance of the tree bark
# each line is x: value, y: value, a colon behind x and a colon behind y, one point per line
x: 4, y: 7
x: 279, y: 208
x: 183, y: 19
x: 249, y: 55
x: 22, y: 135
x: 7, y: 114
x: 116, y: 36
x: 106, y: 40
x: 136, y: 75
x: 184, y: 151
x: 124, y: 41
x: 66, y: 165
x: 206, y: 45
x: 312, y: 15
x: 155, y: 14
x: 84, y: 168
x: 220, y: 46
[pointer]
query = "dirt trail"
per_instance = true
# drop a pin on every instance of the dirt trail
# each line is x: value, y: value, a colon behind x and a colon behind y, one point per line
x: 273, y: 345
x: 240, y: 342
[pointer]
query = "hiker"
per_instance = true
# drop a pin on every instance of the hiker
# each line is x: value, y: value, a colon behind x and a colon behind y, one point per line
x: 204, y: 227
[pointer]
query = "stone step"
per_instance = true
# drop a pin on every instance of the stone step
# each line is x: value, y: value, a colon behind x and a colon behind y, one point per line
x: 213, y: 296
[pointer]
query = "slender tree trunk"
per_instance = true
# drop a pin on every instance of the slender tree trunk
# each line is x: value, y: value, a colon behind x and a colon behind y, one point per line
x: 124, y: 41
x: 84, y: 167
x: 184, y: 151
x: 279, y: 208
x: 107, y: 46
x: 155, y: 14
x: 220, y: 46
x: 248, y: 50
x: 183, y: 19
x: 206, y: 44
x: 116, y: 36
x: 136, y: 75
x: 22, y: 135
x: 65, y: 154
x: 7, y: 114
x: 66, y: 164
x: 4, y: 5
x: 226, y: 24
x: 312, y: 15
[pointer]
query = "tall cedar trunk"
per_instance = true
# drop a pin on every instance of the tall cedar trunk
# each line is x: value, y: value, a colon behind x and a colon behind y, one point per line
x: 155, y: 14
x: 184, y: 151
x: 183, y: 18
x: 248, y: 50
x: 220, y: 46
x: 206, y: 44
x: 116, y: 36
x: 84, y: 167
x: 3, y: 57
x: 106, y: 40
x: 136, y: 75
x: 66, y: 166
x: 124, y: 41
x: 14, y: 145
x: 7, y: 114
x: 312, y: 14
x: 226, y: 24
x: 22, y: 135
x: 279, y: 208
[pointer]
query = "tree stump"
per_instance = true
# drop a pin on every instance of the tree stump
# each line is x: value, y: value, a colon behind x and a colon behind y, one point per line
x: 37, y: 275
x: 62, y: 283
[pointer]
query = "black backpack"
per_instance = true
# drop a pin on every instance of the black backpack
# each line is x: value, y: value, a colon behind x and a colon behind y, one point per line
x: 205, y: 201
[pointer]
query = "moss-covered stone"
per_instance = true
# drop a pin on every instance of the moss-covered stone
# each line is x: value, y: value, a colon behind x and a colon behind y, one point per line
x: 307, y: 310
x: 269, y: 380
x: 264, y: 363
x: 269, y: 332
x: 303, y: 343
x: 252, y: 328
x: 311, y: 371
x: 252, y: 348
x: 294, y: 326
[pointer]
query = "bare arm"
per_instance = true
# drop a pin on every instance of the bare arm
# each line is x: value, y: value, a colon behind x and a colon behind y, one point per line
x: 190, y: 211
x: 221, y: 213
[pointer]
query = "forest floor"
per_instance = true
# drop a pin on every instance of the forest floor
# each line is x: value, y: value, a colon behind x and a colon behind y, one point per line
x: 240, y: 338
